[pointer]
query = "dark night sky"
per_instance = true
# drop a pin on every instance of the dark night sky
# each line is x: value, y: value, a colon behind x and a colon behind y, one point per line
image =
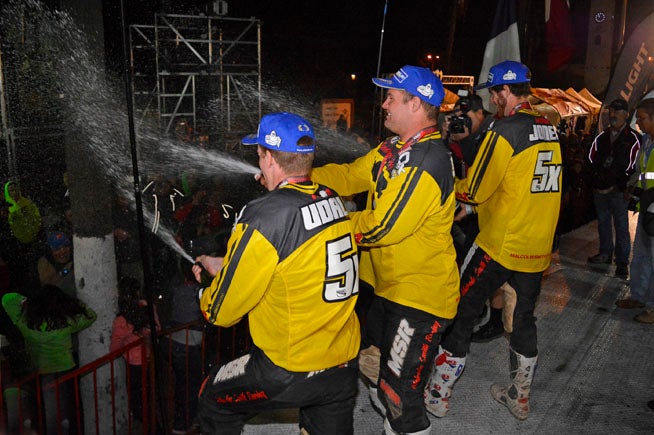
x: 316, y: 45
x: 339, y: 37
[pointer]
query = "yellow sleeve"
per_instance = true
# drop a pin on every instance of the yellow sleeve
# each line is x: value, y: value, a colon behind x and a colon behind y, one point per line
x: 349, y: 178
x: 241, y: 283
x: 487, y: 171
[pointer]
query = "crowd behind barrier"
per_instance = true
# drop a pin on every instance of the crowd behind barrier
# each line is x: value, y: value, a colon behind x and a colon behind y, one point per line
x: 22, y: 400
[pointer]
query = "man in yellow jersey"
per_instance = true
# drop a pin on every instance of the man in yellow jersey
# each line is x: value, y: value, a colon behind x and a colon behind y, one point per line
x: 291, y: 267
x: 407, y: 252
x: 515, y: 183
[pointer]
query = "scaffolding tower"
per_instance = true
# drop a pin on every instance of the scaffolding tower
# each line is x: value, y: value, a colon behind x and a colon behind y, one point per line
x: 204, y: 70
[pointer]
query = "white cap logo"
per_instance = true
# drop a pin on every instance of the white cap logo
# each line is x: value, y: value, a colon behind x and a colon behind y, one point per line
x: 273, y: 140
x: 400, y: 76
x: 426, y: 90
x: 510, y: 75
x: 303, y: 128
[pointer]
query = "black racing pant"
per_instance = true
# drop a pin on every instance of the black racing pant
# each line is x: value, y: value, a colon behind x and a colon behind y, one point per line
x: 239, y: 389
x: 480, y: 277
x: 408, y: 342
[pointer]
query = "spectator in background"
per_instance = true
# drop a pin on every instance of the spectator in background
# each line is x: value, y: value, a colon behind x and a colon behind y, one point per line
x: 186, y: 346
x: 464, y: 145
x: 132, y: 324
x: 341, y: 123
x: 56, y: 266
x: 126, y: 240
x: 202, y: 215
x: 160, y: 202
x: 642, y: 277
x: 612, y: 157
x: 183, y: 131
x: 47, y: 322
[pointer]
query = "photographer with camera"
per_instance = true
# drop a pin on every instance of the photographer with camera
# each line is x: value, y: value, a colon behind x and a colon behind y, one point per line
x: 464, y: 130
x: 469, y: 128
x: 612, y: 157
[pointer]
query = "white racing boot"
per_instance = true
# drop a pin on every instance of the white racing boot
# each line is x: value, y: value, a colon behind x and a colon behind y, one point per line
x: 515, y: 396
x: 438, y: 391
x: 388, y: 430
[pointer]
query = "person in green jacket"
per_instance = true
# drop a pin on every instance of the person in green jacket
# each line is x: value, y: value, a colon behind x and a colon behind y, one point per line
x: 47, y: 322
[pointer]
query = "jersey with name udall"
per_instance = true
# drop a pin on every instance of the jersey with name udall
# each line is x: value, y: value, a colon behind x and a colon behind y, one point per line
x: 292, y: 267
x: 404, y: 232
x: 516, y: 183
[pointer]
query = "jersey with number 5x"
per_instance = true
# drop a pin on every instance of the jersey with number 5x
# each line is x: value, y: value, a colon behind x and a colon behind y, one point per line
x: 292, y: 267
x: 516, y: 182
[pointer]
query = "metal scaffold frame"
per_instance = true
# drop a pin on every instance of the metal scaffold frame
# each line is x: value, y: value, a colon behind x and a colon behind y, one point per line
x: 205, y: 70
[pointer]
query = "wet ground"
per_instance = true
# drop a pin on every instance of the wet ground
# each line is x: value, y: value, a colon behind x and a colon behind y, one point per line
x: 595, y: 372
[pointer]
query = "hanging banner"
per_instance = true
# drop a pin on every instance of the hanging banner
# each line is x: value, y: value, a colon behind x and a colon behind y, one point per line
x: 633, y: 69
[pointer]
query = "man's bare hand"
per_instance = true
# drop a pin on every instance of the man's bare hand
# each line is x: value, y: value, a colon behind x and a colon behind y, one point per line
x: 458, y: 137
x: 211, y: 264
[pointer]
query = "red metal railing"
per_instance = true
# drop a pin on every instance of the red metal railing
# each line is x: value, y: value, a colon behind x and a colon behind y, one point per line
x: 23, y: 403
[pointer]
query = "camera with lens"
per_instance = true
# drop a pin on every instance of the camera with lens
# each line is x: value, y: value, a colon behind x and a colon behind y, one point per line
x: 458, y: 123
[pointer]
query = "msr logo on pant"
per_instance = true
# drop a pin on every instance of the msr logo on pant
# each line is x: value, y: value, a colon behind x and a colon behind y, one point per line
x: 400, y: 347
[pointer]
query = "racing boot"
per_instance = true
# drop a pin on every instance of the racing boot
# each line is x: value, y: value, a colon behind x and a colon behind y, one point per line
x: 388, y: 430
x: 515, y: 396
x: 438, y: 391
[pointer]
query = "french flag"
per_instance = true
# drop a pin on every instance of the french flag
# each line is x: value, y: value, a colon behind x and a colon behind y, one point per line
x: 558, y: 34
x: 503, y: 44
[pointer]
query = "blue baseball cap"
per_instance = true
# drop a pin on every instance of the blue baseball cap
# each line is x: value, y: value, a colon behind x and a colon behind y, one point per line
x: 417, y: 81
x: 58, y: 239
x: 506, y: 73
x: 282, y: 131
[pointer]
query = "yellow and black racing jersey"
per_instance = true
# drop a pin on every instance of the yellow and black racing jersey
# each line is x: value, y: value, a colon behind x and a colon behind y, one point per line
x: 292, y: 267
x: 404, y: 232
x: 515, y: 181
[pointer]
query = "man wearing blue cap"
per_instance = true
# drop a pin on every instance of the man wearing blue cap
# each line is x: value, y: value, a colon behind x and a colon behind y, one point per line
x: 292, y: 268
x: 515, y: 184
x: 55, y: 267
x: 407, y: 253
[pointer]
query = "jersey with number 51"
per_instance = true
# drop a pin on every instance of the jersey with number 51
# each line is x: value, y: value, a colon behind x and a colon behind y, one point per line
x: 292, y: 267
x: 515, y: 181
